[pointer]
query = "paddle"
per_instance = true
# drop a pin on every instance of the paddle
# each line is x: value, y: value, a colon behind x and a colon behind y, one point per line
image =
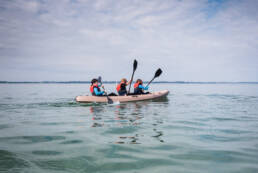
x: 157, y: 74
x: 134, y: 68
x: 110, y: 101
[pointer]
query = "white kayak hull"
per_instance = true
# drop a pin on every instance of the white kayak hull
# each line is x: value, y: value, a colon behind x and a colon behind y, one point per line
x: 130, y: 98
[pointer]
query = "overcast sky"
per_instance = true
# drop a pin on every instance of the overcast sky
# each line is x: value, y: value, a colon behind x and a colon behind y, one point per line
x: 190, y: 40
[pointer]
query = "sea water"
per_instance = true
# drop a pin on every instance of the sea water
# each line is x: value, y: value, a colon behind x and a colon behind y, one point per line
x: 197, y: 128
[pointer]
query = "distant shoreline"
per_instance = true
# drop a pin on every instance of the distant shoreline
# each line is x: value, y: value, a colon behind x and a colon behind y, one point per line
x: 114, y: 82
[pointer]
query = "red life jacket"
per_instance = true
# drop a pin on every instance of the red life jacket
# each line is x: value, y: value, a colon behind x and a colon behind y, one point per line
x: 121, y: 87
x: 118, y: 87
x: 92, y: 89
x: 137, y: 90
x: 136, y: 85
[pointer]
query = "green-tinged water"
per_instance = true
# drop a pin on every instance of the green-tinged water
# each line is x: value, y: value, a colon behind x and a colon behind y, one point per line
x: 198, y: 128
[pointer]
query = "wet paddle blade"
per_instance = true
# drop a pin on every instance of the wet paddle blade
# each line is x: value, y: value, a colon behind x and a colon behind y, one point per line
x: 158, y: 73
x: 110, y: 101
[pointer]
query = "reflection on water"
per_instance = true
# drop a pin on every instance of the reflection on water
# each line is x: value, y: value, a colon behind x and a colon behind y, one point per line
x: 158, y: 135
x: 96, y: 112
x: 129, y: 117
x: 128, y: 139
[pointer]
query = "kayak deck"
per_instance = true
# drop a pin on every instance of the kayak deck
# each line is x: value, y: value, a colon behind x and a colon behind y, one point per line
x: 129, y: 98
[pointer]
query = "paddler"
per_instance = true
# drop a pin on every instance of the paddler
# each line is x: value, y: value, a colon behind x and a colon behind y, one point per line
x: 121, y: 87
x: 95, y: 88
x: 139, y: 88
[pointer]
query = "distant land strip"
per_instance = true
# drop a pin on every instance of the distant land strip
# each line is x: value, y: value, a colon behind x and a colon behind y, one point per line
x: 114, y: 82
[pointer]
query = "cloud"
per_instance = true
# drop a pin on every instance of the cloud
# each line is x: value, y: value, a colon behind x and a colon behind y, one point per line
x: 191, y: 40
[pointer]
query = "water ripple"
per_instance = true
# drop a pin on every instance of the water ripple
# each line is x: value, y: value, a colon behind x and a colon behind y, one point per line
x: 46, y: 153
x: 30, y: 139
x: 11, y: 162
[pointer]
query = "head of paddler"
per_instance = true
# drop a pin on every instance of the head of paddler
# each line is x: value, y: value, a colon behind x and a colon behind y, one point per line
x: 139, y: 81
x: 94, y: 81
x: 124, y: 80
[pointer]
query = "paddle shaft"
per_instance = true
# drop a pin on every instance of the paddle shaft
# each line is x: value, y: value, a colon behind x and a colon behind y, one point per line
x: 131, y: 82
x: 110, y: 101
x: 150, y: 81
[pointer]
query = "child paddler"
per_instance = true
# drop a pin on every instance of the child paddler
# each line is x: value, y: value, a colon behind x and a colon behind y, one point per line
x: 139, y: 88
x: 95, y: 88
x: 121, y: 87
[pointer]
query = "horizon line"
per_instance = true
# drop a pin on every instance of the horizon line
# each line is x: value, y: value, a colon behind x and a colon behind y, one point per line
x: 178, y: 82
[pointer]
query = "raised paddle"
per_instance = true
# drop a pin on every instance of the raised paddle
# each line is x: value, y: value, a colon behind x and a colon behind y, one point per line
x: 134, y: 68
x: 157, y: 74
x: 110, y: 101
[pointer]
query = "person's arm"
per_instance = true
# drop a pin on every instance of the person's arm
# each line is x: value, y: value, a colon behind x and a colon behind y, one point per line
x: 98, y: 93
x: 128, y: 83
x: 144, y: 88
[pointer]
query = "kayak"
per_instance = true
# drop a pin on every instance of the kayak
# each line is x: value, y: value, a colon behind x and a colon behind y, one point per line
x: 129, y: 98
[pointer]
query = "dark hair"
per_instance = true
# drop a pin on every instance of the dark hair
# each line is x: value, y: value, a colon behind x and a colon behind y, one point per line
x: 139, y: 81
x: 93, y: 81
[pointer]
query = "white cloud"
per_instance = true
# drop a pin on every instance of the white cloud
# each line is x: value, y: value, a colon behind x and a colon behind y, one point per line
x: 30, y: 6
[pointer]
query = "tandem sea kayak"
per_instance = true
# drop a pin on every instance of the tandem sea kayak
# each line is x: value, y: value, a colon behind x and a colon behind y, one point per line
x: 129, y: 98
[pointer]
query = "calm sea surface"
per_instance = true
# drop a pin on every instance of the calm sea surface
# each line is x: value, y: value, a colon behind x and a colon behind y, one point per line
x: 198, y: 128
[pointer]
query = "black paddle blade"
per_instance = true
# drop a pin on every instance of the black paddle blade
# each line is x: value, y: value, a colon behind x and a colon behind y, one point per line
x: 134, y: 68
x: 134, y: 65
x: 99, y: 79
x: 158, y: 73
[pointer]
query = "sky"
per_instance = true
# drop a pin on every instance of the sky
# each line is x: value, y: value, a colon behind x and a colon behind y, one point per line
x: 77, y: 40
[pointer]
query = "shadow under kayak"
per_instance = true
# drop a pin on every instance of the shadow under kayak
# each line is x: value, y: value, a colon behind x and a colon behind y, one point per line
x: 129, y: 98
